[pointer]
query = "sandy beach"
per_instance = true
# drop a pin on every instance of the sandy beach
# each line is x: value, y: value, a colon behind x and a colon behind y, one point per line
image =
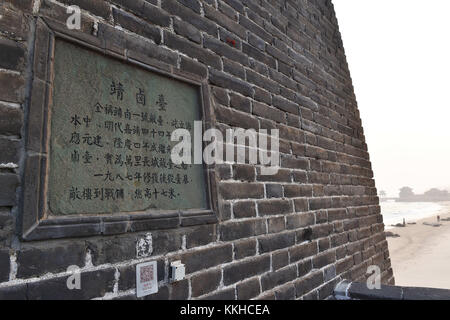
x: 421, y: 255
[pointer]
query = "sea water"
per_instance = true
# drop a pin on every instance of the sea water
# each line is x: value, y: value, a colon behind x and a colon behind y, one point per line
x: 394, y: 212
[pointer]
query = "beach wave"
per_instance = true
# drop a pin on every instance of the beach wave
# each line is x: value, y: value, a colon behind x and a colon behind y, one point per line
x: 395, y: 212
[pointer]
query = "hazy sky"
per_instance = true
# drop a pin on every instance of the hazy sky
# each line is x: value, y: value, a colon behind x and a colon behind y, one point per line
x: 399, y: 57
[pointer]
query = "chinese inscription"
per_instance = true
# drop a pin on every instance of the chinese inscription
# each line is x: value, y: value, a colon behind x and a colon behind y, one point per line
x: 110, y: 145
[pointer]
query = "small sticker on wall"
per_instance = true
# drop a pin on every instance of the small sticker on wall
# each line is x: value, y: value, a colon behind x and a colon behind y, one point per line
x: 146, y: 279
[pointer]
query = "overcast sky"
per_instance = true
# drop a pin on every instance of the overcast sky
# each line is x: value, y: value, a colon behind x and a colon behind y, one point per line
x: 399, y: 57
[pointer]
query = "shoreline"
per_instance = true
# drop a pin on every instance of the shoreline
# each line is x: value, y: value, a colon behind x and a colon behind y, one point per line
x: 420, y: 257
x: 431, y: 210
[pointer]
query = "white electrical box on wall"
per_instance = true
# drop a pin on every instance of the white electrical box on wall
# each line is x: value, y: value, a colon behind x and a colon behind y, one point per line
x: 177, y: 271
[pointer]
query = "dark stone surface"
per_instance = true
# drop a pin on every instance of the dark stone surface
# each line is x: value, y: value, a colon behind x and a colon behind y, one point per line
x: 12, y: 55
x: 17, y: 292
x: 205, y: 282
x: 280, y: 260
x: 285, y: 293
x: 37, y: 260
x: 227, y: 294
x: 97, y: 7
x: 274, y: 191
x: 179, y: 290
x: 248, y: 289
x: 4, y: 265
x: 200, y: 236
x: 243, y: 249
x: 276, y: 241
x: 361, y: 291
x: 411, y: 293
x: 245, y: 269
x: 244, y: 209
x: 93, y: 284
x: 111, y: 250
x: 277, y: 278
x: 237, y: 230
x: 206, y: 258
x: 10, y: 150
x: 11, y: 120
x: 137, y: 26
x: 8, y: 184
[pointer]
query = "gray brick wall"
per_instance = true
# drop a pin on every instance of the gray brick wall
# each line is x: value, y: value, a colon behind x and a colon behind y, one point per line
x: 270, y: 64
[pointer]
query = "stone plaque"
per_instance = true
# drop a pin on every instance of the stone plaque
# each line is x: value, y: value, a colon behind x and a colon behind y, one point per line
x: 110, y: 137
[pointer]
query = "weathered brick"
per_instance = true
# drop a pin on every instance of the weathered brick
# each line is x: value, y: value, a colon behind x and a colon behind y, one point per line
x: 37, y: 260
x: 24, y: 5
x: 304, y: 267
x: 280, y: 259
x: 296, y: 191
x: 300, y: 220
x: 253, y: 27
x: 194, y: 67
x: 244, y: 209
x: 281, y: 176
x: 277, y: 278
x: 14, y: 24
x: 94, y: 284
x: 11, y: 119
x: 237, y: 230
x: 200, y: 236
x: 301, y: 205
x: 276, y: 241
x: 187, y: 30
x: 111, y: 250
x: 243, y: 249
x: 324, y: 259
x: 244, y: 172
x: 186, y: 14
x: 205, y: 282
x: 230, y: 190
x: 248, y: 289
x: 245, y: 269
x: 12, y: 87
x: 236, y: 119
x: 274, y: 191
x: 258, y: 55
x: 240, y: 103
x: 285, y: 293
x: 12, y: 55
x: 97, y: 7
x: 276, y: 224
x: 274, y: 207
x: 179, y: 290
x: 192, y: 50
x: 215, y: 15
x: 206, y: 258
x: 267, y: 112
x: 285, y: 105
x: 303, y: 251
x: 221, y: 96
x: 228, y: 82
x: 226, y: 294
x: 8, y: 184
x: 4, y: 265
x: 308, y: 283
x: 234, y: 68
x: 136, y: 25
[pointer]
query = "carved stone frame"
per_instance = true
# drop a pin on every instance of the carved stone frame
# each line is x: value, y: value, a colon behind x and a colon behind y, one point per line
x: 34, y: 223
